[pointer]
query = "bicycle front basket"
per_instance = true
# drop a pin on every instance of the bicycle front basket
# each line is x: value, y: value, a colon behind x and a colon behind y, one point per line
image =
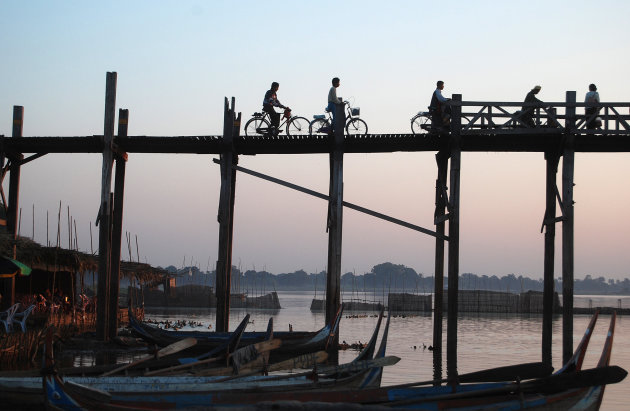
x: 356, y: 111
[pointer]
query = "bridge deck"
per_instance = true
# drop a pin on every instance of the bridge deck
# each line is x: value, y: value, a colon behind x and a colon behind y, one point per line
x: 539, y: 141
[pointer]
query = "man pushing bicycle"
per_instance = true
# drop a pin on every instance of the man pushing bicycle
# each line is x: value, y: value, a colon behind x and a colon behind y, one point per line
x: 269, y: 102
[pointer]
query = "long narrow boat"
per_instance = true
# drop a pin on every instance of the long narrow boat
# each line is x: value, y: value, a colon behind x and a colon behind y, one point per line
x: 363, y: 371
x: 293, y: 342
x: 571, y: 387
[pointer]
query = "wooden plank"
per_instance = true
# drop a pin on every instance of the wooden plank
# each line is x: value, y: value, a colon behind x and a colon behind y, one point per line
x: 345, y: 203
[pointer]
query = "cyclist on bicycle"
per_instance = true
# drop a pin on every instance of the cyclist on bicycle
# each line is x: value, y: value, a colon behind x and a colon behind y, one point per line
x: 269, y: 102
x: 439, y: 107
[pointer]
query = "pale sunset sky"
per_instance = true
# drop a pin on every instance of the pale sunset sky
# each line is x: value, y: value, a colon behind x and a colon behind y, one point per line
x: 176, y: 61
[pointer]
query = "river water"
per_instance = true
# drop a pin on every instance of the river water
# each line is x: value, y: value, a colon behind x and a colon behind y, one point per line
x: 485, y: 340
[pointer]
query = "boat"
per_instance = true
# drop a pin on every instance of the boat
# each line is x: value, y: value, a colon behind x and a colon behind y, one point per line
x: 193, y: 383
x: 569, y: 388
x: 293, y: 342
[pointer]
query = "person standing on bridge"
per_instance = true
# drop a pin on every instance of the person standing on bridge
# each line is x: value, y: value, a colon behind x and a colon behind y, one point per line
x: 269, y: 102
x: 527, y: 115
x: 333, y: 100
x: 592, y: 97
x: 439, y: 107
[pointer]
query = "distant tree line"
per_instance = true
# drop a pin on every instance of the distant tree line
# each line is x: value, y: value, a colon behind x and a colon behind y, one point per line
x: 387, y: 277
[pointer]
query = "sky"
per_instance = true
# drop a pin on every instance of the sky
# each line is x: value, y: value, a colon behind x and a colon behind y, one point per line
x: 177, y: 61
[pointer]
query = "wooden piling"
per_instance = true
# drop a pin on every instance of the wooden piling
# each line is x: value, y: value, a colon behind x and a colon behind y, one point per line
x: 568, y: 160
x: 14, y: 190
x: 439, y: 217
x: 226, y: 218
x: 335, y: 218
x: 104, y: 216
x: 453, y: 234
x: 549, y: 223
x: 117, y: 222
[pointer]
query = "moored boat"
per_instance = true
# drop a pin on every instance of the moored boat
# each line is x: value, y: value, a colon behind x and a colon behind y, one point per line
x: 570, y: 387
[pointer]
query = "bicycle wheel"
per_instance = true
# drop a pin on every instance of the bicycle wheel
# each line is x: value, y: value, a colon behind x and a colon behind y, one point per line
x: 356, y: 127
x: 297, y: 126
x: 256, y: 126
x: 317, y: 125
x: 420, y: 122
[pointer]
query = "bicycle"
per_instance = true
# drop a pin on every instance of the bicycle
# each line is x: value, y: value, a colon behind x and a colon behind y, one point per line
x: 259, y: 124
x: 421, y: 121
x: 353, y: 125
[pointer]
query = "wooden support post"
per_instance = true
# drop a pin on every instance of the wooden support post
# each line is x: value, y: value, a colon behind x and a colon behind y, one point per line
x: 119, y: 191
x: 568, y: 160
x: 335, y: 219
x: 453, y: 243
x: 438, y: 302
x: 104, y: 217
x: 231, y: 127
x: 14, y: 193
x: 552, y: 158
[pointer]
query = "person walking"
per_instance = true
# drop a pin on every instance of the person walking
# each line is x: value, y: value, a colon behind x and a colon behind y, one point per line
x: 590, y: 110
x: 333, y: 100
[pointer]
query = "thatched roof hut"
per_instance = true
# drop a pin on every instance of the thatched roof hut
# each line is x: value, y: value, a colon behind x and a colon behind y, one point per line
x: 51, y: 259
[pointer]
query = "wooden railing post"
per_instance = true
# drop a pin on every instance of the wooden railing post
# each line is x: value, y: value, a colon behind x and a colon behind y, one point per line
x: 104, y: 216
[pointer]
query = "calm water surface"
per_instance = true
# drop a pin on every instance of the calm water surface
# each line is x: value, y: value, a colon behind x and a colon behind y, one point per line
x: 485, y: 340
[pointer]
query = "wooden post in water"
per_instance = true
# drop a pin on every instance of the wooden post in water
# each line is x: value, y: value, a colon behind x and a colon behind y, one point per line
x: 104, y: 216
x: 453, y: 235
x: 549, y: 224
x: 119, y: 191
x: 335, y: 219
x: 568, y: 160
x: 231, y: 127
x: 14, y: 191
x: 438, y: 302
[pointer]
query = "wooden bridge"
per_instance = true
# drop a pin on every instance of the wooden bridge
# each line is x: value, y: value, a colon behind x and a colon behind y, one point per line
x: 559, y: 130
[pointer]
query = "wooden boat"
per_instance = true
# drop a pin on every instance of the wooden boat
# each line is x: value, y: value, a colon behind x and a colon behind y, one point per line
x: 364, y: 371
x: 293, y: 342
x: 570, y: 387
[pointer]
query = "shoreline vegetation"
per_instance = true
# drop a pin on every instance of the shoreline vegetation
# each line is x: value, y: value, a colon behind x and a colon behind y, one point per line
x: 388, y: 277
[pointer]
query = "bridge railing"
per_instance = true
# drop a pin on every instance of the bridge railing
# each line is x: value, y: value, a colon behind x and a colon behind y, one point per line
x: 543, y: 118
